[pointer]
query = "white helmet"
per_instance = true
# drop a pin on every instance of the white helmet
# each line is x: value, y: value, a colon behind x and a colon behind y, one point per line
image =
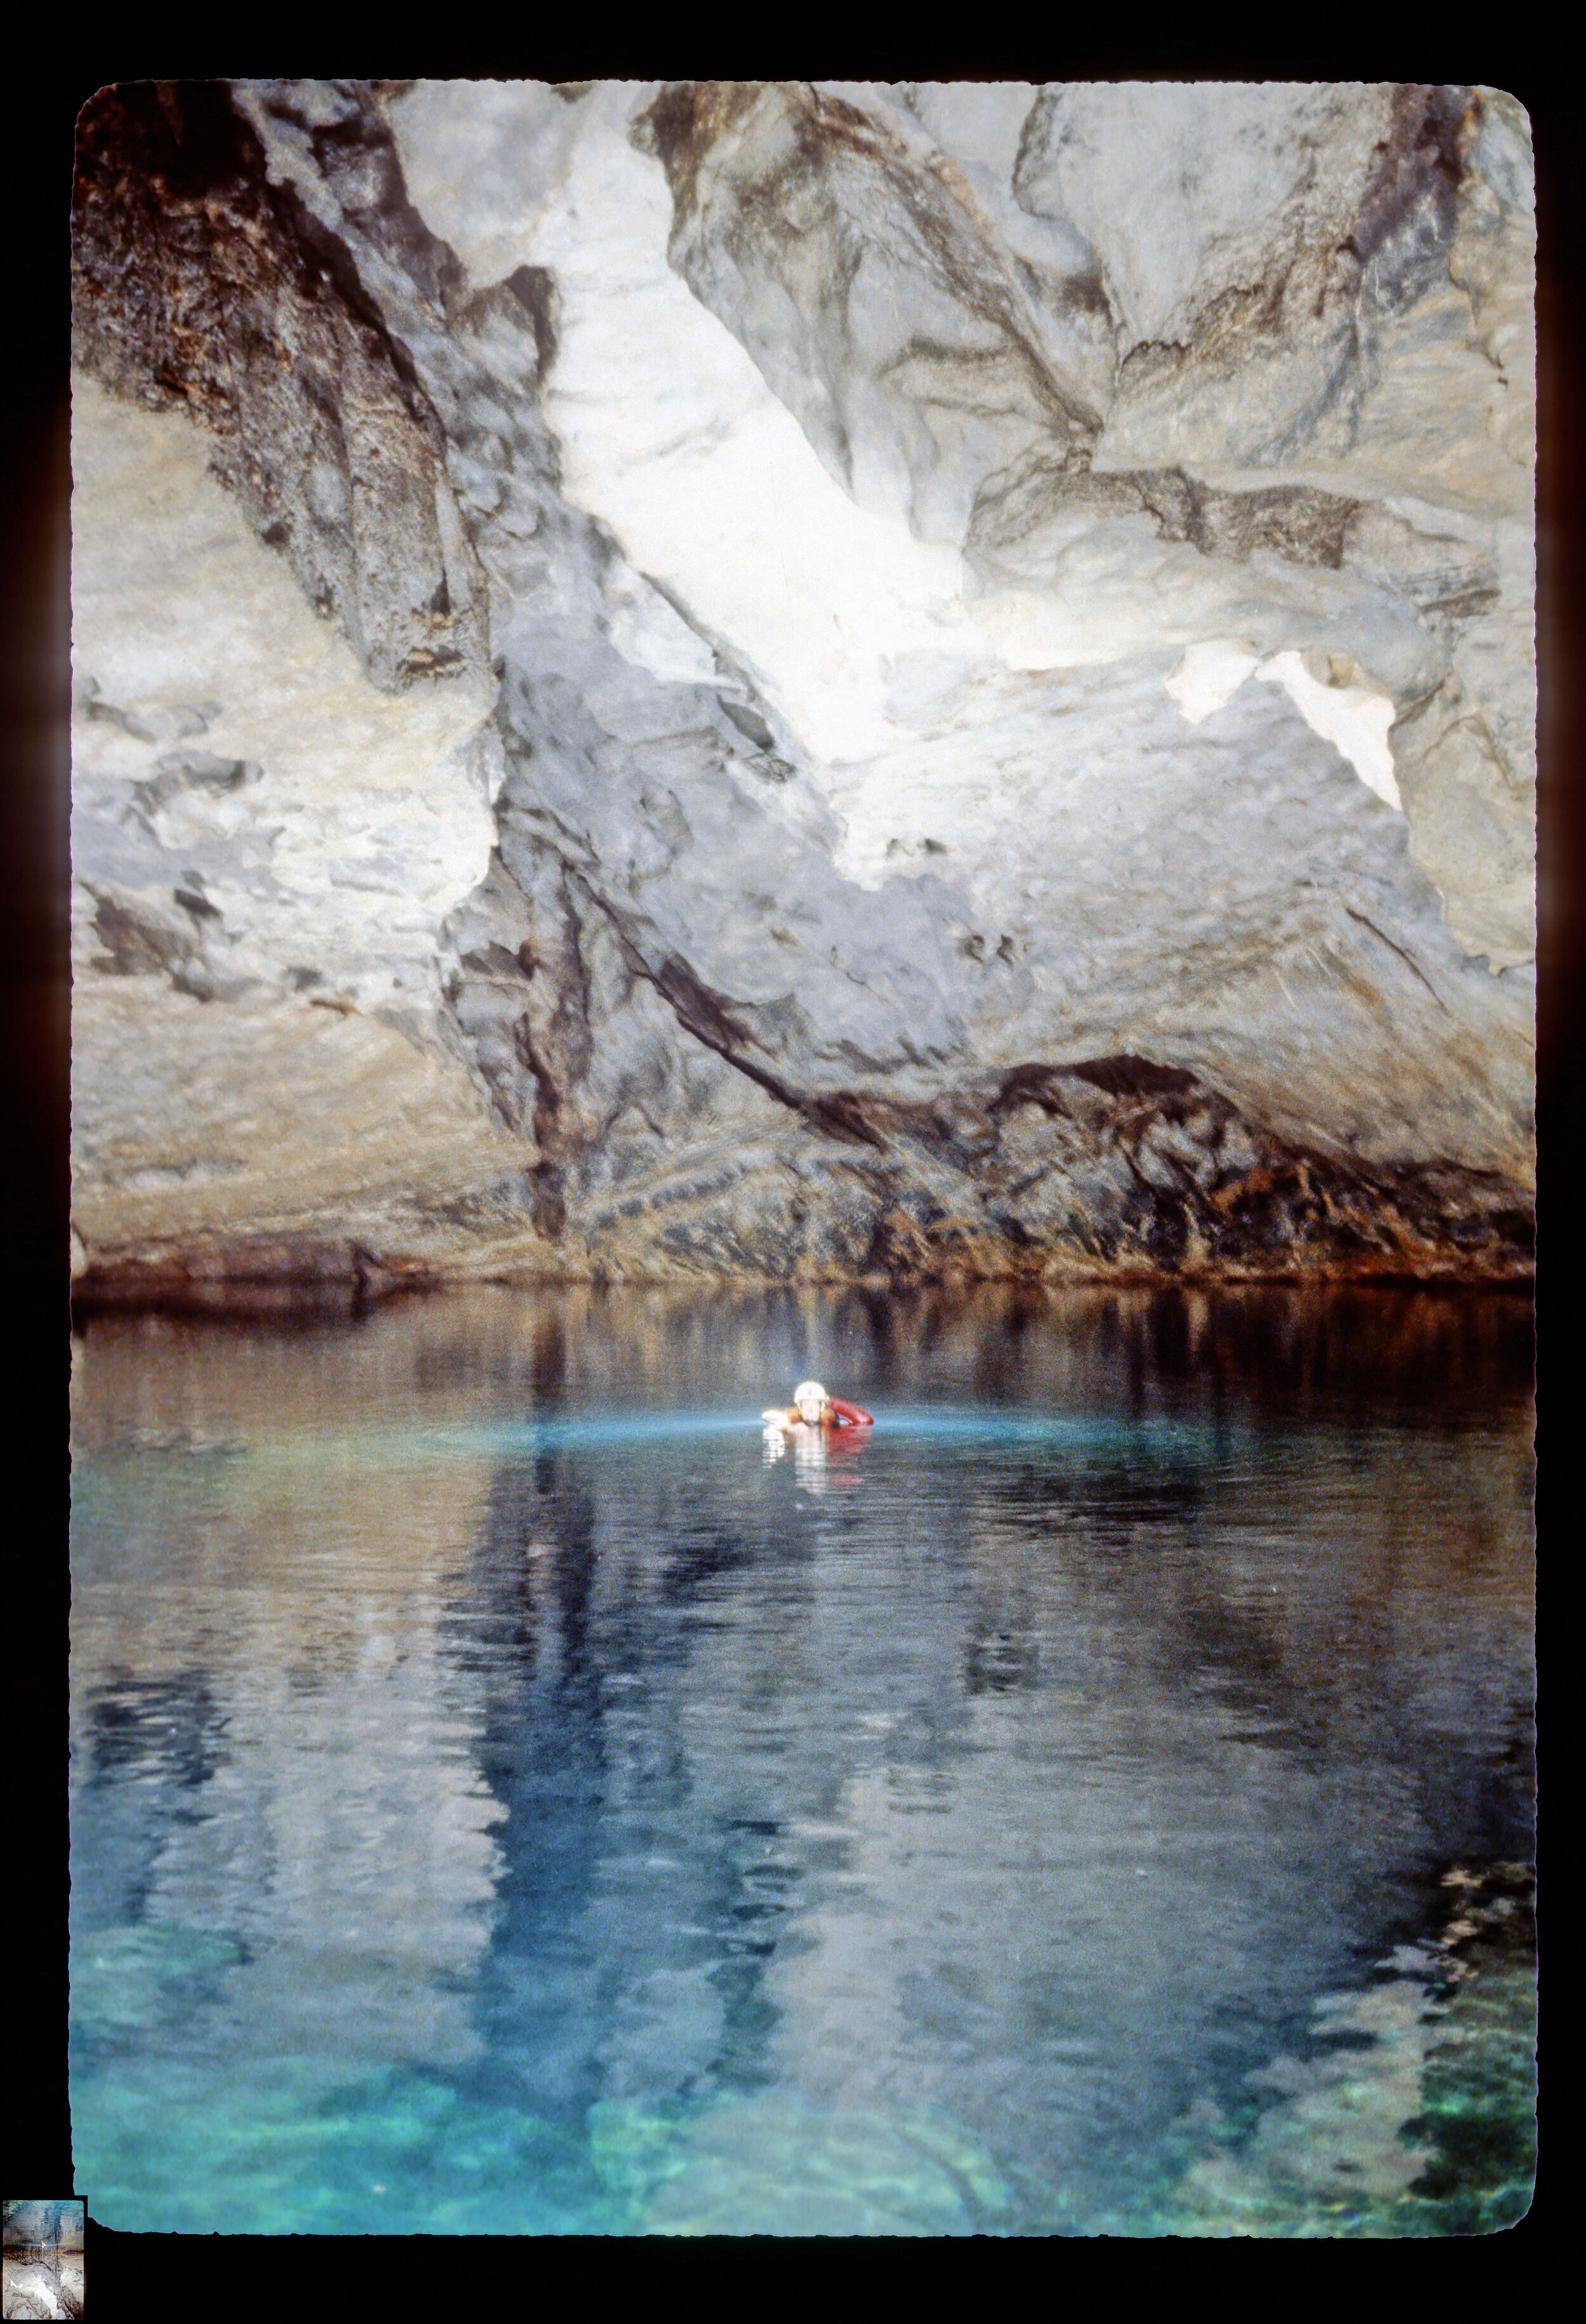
x: 811, y: 1400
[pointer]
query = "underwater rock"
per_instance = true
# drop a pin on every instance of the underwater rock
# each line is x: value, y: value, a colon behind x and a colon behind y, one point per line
x: 819, y: 679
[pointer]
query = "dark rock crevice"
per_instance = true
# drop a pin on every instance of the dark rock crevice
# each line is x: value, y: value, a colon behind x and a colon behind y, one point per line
x: 1407, y: 220
x: 197, y: 281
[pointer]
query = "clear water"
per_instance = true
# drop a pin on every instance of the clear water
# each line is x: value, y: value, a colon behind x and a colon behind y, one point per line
x: 511, y: 1796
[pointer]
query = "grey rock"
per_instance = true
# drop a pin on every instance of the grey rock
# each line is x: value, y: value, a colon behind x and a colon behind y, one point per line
x: 1295, y: 523
x: 1016, y: 969
x: 1252, y: 240
x: 1471, y: 828
x: 141, y: 936
x: 1439, y: 573
x: 137, y: 936
x: 320, y: 433
x: 1190, y: 193
x: 888, y: 318
x: 178, y: 770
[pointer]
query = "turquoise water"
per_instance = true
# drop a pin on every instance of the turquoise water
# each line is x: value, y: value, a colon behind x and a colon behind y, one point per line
x: 513, y: 1793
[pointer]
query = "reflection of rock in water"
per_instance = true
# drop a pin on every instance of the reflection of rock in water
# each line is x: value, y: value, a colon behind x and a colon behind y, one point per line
x: 716, y: 1753
x: 772, y: 2165
x: 710, y: 1747
x: 1287, y: 1352
x: 1416, y: 2116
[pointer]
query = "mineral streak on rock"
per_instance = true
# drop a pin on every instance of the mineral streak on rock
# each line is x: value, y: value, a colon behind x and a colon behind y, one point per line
x: 777, y: 679
x: 196, y: 281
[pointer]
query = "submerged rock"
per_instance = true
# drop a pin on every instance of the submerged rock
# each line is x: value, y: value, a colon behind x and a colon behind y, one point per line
x: 801, y: 679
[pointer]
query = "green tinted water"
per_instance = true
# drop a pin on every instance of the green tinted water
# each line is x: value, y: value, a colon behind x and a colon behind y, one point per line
x: 514, y: 1794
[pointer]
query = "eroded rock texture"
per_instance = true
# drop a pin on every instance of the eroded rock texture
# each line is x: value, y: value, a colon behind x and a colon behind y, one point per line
x: 802, y: 679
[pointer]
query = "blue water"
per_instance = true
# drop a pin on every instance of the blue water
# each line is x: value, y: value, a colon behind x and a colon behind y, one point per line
x: 513, y: 1792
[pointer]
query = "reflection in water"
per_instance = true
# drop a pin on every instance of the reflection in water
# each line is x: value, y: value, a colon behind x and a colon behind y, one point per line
x: 513, y: 1792
x: 819, y: 1462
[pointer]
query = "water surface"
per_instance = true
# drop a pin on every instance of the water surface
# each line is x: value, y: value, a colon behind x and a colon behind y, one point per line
x: 514, y: 1794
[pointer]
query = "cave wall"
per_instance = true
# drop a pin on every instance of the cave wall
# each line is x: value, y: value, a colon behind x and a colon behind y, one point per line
x: 770, y: 679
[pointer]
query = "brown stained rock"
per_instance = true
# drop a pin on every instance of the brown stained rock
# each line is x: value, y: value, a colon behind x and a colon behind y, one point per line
x: 1021, y: 509
x: 1052, y: 1178
x: 241, y: 1273
x: 196, y: 282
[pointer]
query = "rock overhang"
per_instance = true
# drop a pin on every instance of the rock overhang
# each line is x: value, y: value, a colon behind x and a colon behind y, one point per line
x: 804, y: 793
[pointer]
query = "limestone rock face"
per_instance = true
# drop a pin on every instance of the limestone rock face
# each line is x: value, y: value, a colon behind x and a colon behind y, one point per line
x: 802, y: 679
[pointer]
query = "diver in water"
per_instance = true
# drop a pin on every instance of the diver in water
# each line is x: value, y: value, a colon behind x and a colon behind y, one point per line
x: 812, y: 1407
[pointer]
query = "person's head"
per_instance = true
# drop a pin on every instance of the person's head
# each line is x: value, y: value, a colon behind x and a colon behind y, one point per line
x: 812, y: 1400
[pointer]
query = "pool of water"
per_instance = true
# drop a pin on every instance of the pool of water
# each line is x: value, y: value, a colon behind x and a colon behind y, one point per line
x: 512, y: 1794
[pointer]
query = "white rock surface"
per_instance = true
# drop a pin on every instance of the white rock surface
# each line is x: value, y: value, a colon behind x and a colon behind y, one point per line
x: 315, y: 883
x: 368, y: 818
